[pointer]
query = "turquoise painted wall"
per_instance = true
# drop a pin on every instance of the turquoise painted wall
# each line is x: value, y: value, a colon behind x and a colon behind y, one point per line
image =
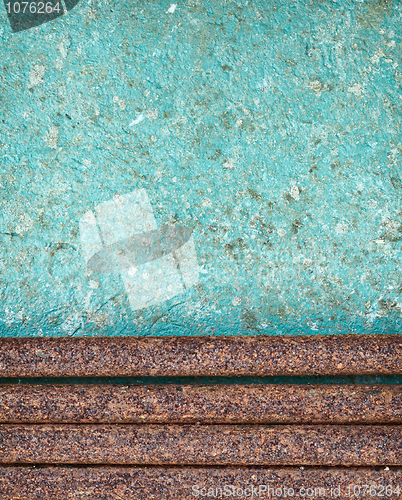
x: 271, y: 129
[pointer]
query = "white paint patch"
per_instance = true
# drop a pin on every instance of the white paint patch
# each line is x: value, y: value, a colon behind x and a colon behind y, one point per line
x: 12, y: 317
x: 64, y: 46
x: 25, y: 223
x: 307, y: 262
x: 122, y: 104
x: 132, y: 271
x: 264, y: 85
x: 91, y: 14
x: 52, y: 137
x: 229, y: 164
x: 391, y: 225
x: 295, y: 193
x: 36, y: 75
x: 315, y: 86
x: 356, y: 89
x: 58, y: 63
x: 341, y: 228
x: 138, y: 120
x: 377, y: 56
x: 171, y: 9
x: 236, y: 301
x: 152, y: 114
x: 9, y: 318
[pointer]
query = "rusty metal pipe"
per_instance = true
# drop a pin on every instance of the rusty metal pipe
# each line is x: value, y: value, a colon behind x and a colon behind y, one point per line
x: 201, y: 356
x: 309, y: 445
x: 189, y: 404
x: 156, y: 483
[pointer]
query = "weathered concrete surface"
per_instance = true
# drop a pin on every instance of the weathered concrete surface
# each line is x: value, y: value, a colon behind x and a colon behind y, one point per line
x: 272, y: 129
x: 188, y: 404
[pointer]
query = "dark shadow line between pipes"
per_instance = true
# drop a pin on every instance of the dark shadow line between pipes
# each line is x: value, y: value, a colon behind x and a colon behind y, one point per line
x: 212, y: 380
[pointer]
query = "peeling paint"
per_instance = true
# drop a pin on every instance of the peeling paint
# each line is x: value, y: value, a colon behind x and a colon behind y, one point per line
x: 273, y: 132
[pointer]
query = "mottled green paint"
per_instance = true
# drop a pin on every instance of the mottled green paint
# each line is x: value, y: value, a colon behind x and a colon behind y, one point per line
x: 272, y: 128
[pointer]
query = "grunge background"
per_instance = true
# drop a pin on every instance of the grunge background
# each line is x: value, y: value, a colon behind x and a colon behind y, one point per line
x: 272, y: 129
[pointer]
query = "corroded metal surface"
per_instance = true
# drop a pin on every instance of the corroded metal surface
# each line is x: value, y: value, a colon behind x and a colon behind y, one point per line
x: 175, y: 356
x: 219, y: 404
x: 56, y: 483
x: 201, y: 445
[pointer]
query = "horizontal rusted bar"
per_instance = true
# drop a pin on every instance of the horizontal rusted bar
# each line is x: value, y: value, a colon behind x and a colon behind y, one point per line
x: 187, y: 404
x: 201, y: 356
x: 201, y: 445
x: 59, y: 483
